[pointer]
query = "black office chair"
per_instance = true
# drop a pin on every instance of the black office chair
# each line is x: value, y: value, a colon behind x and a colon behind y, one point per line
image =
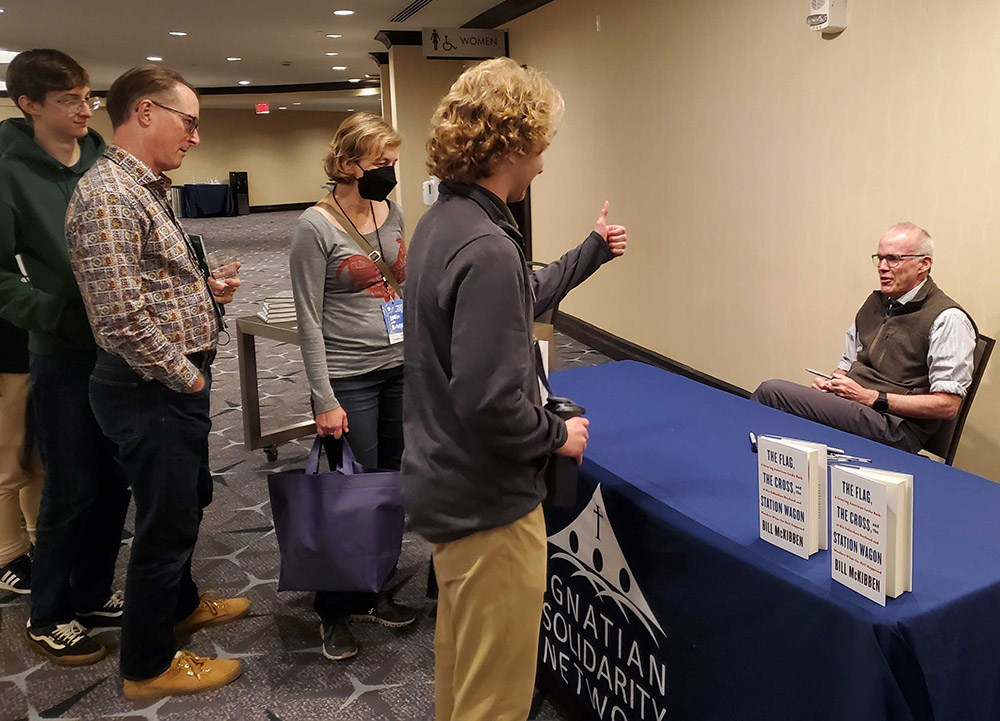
x: 944, y: 442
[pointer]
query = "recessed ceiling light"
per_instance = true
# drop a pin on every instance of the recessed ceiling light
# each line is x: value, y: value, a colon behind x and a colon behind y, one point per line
x: 244, y: 82
x: 6, y: 56
x: 350, y: 110
x: 332, y: 54
x: 335, y: 36
x: 154, y: 59
x: 177, y: 33
x: 339, y: 67
x: 233, y: 60
x: 296, y: 103
x: 343, y: 12
x: 354, y: 80
x: 282, y: 107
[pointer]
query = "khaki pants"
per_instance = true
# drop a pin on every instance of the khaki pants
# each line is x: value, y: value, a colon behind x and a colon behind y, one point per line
x: 21, y: 474
x: 492, y: 585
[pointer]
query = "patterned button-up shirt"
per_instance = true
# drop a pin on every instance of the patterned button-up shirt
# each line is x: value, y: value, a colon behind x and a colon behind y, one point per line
x: 147, y: 298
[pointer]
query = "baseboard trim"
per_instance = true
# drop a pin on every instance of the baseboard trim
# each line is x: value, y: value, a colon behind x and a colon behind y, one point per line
x: 281, y: 206
x: 618, y: 348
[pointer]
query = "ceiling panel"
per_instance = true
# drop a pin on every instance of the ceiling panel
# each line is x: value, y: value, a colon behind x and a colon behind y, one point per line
x: 110, y: 36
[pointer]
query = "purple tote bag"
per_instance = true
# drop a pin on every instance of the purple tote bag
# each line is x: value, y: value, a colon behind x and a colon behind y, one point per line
x: 337, y: 531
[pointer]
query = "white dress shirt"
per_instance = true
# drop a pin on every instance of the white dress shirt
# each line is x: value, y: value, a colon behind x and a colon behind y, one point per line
x: 949, y: 356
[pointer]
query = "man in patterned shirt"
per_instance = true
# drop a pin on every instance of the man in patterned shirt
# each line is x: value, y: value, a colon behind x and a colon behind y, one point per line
x: 155, y: 314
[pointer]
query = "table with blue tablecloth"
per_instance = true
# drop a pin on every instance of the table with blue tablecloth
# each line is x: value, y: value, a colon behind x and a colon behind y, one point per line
x: 207, y: 200
x: 663, y: 603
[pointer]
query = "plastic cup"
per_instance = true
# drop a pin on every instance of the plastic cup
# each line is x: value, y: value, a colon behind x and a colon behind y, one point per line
x: 223, y: 265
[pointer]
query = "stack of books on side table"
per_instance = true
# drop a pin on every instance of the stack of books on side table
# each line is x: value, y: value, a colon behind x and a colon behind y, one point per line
x: 278, y: 308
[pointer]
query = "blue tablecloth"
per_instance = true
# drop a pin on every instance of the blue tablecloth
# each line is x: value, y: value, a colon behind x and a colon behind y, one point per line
x: 694, y: 617
x: 207, y: 200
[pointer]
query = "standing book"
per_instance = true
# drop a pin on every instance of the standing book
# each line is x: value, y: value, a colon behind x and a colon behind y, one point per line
x: 872, y: 531
x: 793, y: 500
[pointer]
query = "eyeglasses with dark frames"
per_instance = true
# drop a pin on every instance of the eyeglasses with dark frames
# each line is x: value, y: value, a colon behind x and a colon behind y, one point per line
x: 190, y: 120
x: 893, y: 261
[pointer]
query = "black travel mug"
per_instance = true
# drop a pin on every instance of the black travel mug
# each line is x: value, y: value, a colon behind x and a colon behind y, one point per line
x: 561, y: 473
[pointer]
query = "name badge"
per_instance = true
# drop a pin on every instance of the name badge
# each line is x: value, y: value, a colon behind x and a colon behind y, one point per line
x: 392, y: 314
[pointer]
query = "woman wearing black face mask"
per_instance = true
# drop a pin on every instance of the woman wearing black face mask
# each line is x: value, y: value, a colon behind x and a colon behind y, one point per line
x: 352, y: 353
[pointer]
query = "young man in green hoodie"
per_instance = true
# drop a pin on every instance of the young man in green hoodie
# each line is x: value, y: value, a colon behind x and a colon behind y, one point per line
x: 85, y: 496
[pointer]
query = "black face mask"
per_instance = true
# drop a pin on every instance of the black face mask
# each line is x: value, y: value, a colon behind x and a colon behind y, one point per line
x: 377, y: 183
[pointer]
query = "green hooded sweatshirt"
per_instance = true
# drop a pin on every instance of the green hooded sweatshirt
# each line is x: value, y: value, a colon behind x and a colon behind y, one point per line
x: 35, y: 189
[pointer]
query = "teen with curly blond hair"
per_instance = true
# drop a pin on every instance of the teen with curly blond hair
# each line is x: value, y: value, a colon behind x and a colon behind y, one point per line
x: 478, y: 438
x: 495, y: 110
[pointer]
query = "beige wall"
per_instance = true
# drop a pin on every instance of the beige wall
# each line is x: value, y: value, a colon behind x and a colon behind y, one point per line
x: 281, y: 151
x: 415, y: 88
x: 386, y: 98
x: 756, y: 164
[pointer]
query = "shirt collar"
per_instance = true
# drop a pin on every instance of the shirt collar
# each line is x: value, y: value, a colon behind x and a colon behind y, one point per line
x: 487, y: 200
x: 500, y: 205
x: 907, y: 297
x: 135, y: 168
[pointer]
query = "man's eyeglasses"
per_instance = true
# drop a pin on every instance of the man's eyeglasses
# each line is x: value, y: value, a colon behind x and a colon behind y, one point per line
x: 893, y: 261
x: 191, y: 121
x: 75, y: 105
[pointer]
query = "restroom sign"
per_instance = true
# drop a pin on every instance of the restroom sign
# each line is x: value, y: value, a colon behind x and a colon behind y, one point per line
x: 464, y: 43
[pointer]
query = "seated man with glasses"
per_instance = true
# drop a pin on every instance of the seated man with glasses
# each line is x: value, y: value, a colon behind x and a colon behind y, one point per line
x: 908, y: 361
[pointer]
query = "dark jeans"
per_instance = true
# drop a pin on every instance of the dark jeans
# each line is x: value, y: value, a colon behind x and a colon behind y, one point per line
x: 374, y: 406
x: 162, y: 441
x: 836, y: 412
x: 84, y: 499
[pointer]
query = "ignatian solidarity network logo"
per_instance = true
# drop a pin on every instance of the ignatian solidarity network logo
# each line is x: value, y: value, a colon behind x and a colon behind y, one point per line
x: 599, y: 633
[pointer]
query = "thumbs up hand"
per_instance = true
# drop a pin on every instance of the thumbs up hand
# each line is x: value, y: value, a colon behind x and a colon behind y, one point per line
x: 614, y: 235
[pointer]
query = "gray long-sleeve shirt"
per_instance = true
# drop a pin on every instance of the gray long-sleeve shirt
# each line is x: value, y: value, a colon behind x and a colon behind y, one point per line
x: 339, y: 294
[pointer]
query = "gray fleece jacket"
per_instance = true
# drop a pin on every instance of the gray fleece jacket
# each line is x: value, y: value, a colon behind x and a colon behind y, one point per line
x: 477, y: 438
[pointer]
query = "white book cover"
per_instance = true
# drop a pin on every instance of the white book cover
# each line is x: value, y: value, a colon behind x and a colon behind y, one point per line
x: 872, y: 531
x: 789, y: 489
x: 821, y: 488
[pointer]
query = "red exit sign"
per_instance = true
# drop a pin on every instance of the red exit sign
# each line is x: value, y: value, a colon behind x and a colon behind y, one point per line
x: 263, y: 108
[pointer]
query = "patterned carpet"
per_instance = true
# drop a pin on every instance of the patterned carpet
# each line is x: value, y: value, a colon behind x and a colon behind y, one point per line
x: 285, y: 676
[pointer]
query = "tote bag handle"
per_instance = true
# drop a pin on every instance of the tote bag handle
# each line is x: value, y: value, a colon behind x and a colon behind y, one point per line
x: 347, y: 464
